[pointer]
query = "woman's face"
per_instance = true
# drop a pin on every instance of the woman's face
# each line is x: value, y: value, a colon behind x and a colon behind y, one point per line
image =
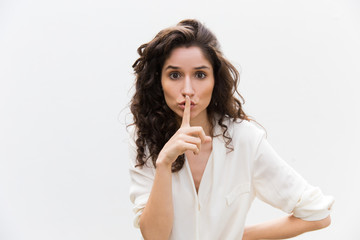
x: 188, y: 72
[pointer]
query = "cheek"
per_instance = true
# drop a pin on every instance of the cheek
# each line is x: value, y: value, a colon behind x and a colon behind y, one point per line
x: 208, y: 90
x: 165, y: 88
x: 170, y: 89
x: 169, y: 95
x: 168, y: 92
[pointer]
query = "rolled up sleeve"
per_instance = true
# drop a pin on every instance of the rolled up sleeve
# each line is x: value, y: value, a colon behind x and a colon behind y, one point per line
x: 313, y: 205
x: 141, y: 180
x: 279, y: 185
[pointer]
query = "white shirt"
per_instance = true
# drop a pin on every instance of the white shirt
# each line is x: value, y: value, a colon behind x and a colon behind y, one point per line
x: 230, y: 182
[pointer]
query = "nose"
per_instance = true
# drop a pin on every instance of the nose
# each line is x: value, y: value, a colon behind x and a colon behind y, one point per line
x: 187, y: 87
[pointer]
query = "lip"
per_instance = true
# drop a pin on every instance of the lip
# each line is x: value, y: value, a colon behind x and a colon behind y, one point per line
x: 182, y: 105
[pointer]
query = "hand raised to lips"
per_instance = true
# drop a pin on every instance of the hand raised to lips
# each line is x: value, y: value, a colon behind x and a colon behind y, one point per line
x: 186, y: 138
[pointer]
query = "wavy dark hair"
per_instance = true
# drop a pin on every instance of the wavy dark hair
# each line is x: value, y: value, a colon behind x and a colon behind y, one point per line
x: 155, y: 122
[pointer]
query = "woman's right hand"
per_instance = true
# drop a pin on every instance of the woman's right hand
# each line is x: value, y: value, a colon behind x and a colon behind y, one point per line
x: 186, y: 138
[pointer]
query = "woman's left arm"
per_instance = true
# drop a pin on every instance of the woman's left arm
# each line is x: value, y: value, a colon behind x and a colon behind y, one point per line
x: 279, y: 185
x: 283, y: 228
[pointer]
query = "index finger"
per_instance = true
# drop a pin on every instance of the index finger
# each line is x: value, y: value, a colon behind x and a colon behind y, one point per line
x: 186, y: 115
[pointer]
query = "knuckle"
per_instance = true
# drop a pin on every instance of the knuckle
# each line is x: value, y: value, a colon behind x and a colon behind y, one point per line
x: 181, y: 130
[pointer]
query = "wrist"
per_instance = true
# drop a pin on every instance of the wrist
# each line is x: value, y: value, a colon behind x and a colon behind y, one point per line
x: 163, y: 164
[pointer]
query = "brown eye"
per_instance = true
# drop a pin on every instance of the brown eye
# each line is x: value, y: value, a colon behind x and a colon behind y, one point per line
x: 174, y: 75
x: 200, y: 75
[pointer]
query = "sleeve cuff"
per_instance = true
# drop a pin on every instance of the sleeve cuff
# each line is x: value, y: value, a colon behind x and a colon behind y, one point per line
x: 139, y: 208
x: 313, y: 205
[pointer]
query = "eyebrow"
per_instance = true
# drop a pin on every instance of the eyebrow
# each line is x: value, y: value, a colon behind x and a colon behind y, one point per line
x: 202, y: 67
x: 197, y: 68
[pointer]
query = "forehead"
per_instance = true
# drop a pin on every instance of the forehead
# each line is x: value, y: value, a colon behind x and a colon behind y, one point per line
x: 187, y: 57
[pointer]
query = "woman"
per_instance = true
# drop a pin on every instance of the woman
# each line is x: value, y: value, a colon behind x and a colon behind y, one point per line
x: 197, y: 160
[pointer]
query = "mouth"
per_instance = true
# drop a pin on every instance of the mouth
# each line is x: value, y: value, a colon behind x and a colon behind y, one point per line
x: 182, y: 105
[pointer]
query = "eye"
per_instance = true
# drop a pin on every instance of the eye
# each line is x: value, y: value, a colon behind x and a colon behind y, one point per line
x: 174, y: 75
x: 200, y: 75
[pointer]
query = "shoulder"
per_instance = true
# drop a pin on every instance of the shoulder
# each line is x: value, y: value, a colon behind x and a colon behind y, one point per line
x: 242, y: 130
x: 243, y: 133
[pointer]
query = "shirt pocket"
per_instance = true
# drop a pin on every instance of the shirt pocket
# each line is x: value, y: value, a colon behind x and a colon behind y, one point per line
x: 239, y: 190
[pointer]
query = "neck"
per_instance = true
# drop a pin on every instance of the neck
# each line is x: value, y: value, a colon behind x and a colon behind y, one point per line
x: 204, y: 124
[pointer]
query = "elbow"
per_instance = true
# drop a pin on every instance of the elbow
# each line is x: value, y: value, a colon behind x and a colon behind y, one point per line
x: 323, y: 223
x: 327, y: 222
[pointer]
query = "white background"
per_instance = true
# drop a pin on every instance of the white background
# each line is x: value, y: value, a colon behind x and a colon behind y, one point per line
x: 65, y: 82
